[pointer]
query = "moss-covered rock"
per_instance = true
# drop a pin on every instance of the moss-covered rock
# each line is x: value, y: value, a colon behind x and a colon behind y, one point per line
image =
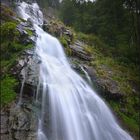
x: 58, y: 29
x: 8, y: 93
x: 13, y: 42
x: 9, y: 32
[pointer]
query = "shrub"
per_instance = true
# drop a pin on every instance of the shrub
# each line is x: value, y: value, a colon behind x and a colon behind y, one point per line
x: 63, y: 41
x: 88, y: 49
x: 30, y: 33
x: 9, y: 32
x: 7, y: 90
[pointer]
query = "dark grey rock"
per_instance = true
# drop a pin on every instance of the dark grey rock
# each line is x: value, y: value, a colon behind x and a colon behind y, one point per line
x: 4, y: 122
x: 19, y: 122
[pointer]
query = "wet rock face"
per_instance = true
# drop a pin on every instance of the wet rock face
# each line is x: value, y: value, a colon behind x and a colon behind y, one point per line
x: 23, y: 28
x: 27, y: 69
x: 19, y: 123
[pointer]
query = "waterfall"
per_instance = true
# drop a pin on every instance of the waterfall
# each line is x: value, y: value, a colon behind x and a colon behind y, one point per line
x: 23, y: 72
x: 37, y: 90
x: 76, y: 112
x: 86, y: 74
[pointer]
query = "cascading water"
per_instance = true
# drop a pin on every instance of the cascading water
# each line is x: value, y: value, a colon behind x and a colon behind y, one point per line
x: 37, y: 90
x: 86, y: 74
x: 22, y: 86
x: 76, y: 112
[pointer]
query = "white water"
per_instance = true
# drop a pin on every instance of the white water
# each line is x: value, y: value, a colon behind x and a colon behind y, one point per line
x: 22, y: 86
x: 86, y: 74
x: 76, y: 111
x: 38, y: 89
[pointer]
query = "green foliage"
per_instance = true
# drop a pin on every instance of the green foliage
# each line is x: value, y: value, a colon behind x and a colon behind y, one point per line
x: 7, y: 90
x: 127, y: 120
x: 28, y: 46
x: 7, y: 64
x: 8, y: 49
x: 131, y: 123
x: 10, y: 43
x: 115, y: 26
x: 9, y: 32
x: 64, y: 42
x: 30, y: 33
x: 11, y: 47
x: 91, y: 40
x: 88, y: 49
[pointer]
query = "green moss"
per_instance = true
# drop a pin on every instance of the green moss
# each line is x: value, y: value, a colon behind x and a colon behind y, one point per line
x: 8, y: 49
x: 8, y: 93
x: 91, y: 40
x: 11, y: 48
x: 7, y: 64
x: 129, y: 121
x: 30, y: 32
x: 9, y: 32
x: 64, y: 42
x: 29, y: 46
x: 88, y: 49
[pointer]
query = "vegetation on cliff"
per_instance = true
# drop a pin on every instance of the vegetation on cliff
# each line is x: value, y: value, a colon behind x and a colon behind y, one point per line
x: 11, y: 47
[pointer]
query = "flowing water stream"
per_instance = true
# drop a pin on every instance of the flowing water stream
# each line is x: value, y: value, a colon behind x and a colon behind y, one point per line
x: 23, y: 72
x: 86, y: 74
x: 76, y: 112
